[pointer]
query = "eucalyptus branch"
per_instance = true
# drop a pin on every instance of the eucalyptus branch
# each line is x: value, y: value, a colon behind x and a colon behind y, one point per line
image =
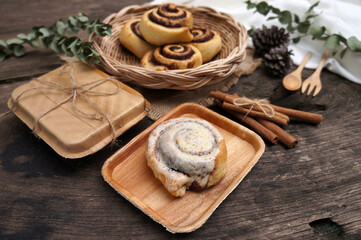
x: 304, y: 27
x: 55, y: 37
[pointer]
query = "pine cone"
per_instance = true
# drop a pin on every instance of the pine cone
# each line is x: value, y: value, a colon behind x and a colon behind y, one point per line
x: 266, y: 38
x: 278, y: 60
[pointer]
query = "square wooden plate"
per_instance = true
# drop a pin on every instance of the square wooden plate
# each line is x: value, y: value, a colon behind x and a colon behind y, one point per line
x: 127, y: 172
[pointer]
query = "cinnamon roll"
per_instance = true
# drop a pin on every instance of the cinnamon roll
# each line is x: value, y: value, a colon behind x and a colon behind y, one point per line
x: 131, y: 38
x: 166, y: 24
x: 207, y: 41
x: 173, y: 56
x: 186, y: 153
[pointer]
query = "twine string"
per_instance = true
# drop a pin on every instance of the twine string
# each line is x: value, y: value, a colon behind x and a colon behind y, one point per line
x: 75, y: 91
x: 263, y: 104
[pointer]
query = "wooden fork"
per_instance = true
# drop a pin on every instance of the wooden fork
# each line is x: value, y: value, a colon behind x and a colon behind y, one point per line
x: 313, y: 82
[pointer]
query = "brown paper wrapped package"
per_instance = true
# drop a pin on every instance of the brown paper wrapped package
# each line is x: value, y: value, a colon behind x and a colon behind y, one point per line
x: 70, y: 134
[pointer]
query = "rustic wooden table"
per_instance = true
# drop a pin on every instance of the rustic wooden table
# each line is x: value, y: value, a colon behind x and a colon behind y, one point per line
x: 312, y: 191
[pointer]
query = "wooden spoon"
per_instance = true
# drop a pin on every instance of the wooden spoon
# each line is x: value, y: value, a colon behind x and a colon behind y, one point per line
x: 293, y: 81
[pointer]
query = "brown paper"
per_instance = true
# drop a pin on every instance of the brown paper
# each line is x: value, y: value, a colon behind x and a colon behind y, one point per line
x: 70, y: 134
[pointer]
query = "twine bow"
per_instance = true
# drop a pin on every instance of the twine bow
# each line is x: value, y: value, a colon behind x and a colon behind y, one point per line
x: 75, y: 91
x: 263, y: 104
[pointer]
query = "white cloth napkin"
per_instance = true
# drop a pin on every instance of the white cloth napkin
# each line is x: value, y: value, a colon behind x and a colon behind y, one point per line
x: 336, y: 15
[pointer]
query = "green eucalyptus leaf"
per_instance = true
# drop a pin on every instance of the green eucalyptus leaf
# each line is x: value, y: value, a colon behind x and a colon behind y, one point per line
x: 316, y: 30
x: 83, y: 18
x: 99, y: 30
x: 45, y: 41
x: 72, y: 21
x: 22, y: 36
x: 96, y: 53
x: 71, y: 26
x: 19, y: 50
x: 313, y: 6
x: 42, y: 42
x: 332, y: 43
x: 61, y: 40
x: 54, y: 46
x: 68, y: 45
x: 285, y: 17
x: 2, y: 44
x: 354, y: 44
x: 343, y: 52
x: 341, y: 38
x: 296, y: 39
x: 14, y: 41
x: 2, y: 55
x: 107, y: 30
x: 323, y: 38
x: 275, y: 10
x: 34, y: 33
x: 60, y: 27
x: 71, y: 30
x: 73, y: 41
x: 75, y: 49
x: 263, y: 8
x: 311, y: 16
x: 251, y: 31
x: 271, y: 18
x: 31, y: 37
x: 303, y: 26
x: 86, y: 51
x: 64, y: 48
x: 250, y: 5
x: 297, y: 18
x: 290, y: 28
x: 34, y: 44
x: 44, y: 32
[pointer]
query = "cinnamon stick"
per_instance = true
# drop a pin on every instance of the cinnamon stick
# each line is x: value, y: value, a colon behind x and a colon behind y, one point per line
x: 282, y: 135
x: 253, y: 113
x: 224, y: 97
x: 256, y: 126
x: 301, y: 115
x: 221, y: 96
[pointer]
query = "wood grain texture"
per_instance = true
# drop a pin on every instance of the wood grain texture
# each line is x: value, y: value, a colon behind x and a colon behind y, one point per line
x: 309, y: 192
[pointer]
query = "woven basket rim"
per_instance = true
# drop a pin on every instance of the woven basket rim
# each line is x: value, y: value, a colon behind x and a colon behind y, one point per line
x: 234, y: 58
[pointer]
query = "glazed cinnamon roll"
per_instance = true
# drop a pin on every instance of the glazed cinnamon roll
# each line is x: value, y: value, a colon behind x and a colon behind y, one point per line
x: 207, y: 41
x: 173, y: 56
x: 166, y: 24
x: 186, y: 153
x: 131, y: 38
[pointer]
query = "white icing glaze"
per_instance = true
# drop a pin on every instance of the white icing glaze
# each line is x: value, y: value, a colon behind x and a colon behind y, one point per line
x: 183, y: 150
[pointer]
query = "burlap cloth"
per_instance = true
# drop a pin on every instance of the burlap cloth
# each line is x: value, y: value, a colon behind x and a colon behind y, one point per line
x: 162, y: 101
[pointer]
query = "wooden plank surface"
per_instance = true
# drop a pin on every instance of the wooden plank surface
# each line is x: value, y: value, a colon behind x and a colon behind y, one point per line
x: 309, y: 192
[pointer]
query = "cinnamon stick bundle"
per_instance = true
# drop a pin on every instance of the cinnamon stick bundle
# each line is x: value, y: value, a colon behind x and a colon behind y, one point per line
x: 264, y: 124
x: 253, y: 124
x: 298, y: 114
x: 277, y: 119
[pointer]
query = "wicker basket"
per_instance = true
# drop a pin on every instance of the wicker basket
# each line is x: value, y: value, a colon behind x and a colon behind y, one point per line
x: 118, y: 61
